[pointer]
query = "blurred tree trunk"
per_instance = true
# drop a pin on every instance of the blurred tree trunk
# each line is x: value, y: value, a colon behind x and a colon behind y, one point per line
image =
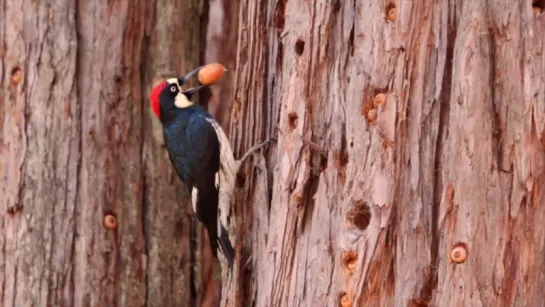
x: 410, y: 133
x: 78, y: 142
x: 222, y: 39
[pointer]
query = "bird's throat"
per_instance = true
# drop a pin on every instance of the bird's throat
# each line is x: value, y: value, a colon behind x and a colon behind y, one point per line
x: 182, y: 102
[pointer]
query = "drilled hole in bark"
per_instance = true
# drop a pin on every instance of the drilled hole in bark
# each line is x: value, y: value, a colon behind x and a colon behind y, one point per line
x: 293, y: 120
x: 349, y: 262
x: 323, y: 163
x: 16, y: 74
x: 359, y: 215
x: 299, y: 46
x: 241, y: 179
x: 391, y: 11
x: 538, y: 5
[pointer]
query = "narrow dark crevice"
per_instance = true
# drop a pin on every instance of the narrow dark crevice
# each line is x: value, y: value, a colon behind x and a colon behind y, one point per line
x: 444, y: 110
x: 351, y: 49
x: 267, y: 88
x: 308, y: 201
x: 280, y: 14
x: 193, y: 244
x: 497, y: 131
x: 79, y: 115
x: 143, y: 175
x: 309, y: 91
x: 351, y: 42
x: 15, y: 275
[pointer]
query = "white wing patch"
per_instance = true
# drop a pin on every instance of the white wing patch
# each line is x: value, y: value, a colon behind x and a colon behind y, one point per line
x: 217, y: 180
x: 194, y: 194
x: 226, y: 175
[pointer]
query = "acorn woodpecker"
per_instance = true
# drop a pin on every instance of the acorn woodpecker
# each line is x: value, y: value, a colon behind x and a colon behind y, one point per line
x: 200, y: 153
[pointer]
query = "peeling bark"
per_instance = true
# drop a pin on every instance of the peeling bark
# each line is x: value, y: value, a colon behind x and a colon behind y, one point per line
x: 454, y: 153
x: 78, y: 142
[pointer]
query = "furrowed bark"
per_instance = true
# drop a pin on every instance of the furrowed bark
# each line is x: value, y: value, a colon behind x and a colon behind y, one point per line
x: 78, y: 142
x: 452, y: 154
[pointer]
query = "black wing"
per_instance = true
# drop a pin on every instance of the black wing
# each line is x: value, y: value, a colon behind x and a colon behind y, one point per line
x: 196, y: 153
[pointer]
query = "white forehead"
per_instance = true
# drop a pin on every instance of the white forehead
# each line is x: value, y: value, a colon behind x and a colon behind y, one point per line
x: 173, y: 81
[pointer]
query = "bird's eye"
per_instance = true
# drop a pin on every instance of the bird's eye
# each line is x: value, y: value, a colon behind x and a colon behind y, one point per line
x: 173, y: 88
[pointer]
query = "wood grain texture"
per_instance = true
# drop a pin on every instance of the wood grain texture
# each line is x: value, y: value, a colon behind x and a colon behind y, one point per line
x: 78, y: 142
x: 455, y: 154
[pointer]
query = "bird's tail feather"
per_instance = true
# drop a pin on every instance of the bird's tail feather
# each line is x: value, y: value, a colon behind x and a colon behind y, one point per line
x: 226, y: 247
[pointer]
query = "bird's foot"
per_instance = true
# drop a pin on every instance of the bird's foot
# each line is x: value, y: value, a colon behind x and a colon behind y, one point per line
x: 255, y: 149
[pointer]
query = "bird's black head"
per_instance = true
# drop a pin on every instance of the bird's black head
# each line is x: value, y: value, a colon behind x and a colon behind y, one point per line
x: 168, y: 95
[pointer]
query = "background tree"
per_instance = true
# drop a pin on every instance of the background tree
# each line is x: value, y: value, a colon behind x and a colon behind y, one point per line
x: 409, y: 166
x: 78, y: 143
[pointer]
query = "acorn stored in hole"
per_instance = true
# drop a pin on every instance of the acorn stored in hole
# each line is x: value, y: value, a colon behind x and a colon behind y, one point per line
x: 372, y: 115
x: 392, y: 13
x: 349, y: 262
x: 16, y: 75
x: 345, y: 300
x: 379, y: 99
x: 458, y: 254
x: 110, y: 222
x: 211, y: 73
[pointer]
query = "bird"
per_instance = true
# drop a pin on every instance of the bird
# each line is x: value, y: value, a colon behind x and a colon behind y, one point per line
x: 199, y: 152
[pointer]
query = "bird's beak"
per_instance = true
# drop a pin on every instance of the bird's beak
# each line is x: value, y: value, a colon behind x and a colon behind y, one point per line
x: 190, y: 92
x: 182, y: 80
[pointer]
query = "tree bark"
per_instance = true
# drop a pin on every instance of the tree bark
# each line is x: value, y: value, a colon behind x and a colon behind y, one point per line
x: 410, y: 134
x: 79, y: 142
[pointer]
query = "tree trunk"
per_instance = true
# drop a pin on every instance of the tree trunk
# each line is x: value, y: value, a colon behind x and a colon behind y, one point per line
x: 409, y: 166
x: 79, y: 143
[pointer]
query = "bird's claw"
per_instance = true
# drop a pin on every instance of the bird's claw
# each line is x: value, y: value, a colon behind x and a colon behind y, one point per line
x: 255, y: 149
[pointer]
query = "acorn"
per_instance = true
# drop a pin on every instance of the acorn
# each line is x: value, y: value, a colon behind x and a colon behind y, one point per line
x: 345, y: 300
x: 110, y: 222
x: 211, y: 73
x: 372, y: 115
x: 379, y: 99
x: 16, y: 75
x: 458, y: 253
x: 392, y: 13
